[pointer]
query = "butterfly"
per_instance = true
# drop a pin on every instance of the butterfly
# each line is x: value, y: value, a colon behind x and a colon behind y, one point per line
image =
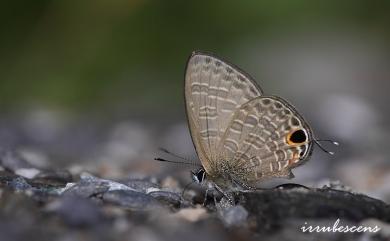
x: 241, y: 136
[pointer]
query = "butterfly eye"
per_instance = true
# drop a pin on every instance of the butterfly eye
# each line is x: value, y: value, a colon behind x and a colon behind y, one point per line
x: 296, y: 137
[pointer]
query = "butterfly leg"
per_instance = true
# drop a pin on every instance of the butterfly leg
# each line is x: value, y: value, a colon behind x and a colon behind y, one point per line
x: 205, y: 197
x: 228, y: 195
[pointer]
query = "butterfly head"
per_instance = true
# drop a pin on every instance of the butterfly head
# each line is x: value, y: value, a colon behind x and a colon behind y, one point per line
x: 199, y: 175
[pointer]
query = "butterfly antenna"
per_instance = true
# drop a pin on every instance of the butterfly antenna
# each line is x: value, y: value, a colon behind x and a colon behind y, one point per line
x: 318, y: 142
x: 331, y: 141
x: 177, y: 162
x: 174, y: 155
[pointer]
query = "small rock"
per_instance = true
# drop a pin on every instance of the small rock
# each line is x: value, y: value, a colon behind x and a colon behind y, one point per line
x: 170, y: 198
x: 334, y: 184
x: 170, y: 182
x: 56, y: 176
x: 90, y: 185
x: 234, y: 216
x: 77, y: 211
x: 19, y: 184
x: 86, y: 188
x: 133, y: 200
x: 192, y: 214
x: 86, y: 177
x: 27, y: 172
x: 13, y: 161
x: 269, y: 209
x: 140, y: 185
x: 35, y: 157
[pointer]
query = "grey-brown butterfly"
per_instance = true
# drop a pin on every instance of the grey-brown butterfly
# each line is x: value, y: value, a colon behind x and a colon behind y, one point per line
x: 241, y: 136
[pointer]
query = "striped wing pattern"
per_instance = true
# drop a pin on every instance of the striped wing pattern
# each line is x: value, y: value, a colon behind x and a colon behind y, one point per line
x: 214, y: 90
x: 255, y: 142
x: 238, y: 133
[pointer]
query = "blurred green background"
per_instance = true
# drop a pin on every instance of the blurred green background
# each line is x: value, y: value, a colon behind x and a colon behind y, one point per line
x: 129, y: 56
x: 98, y: 85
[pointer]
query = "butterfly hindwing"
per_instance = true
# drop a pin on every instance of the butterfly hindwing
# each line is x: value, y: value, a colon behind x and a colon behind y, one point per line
x: 256, y: 143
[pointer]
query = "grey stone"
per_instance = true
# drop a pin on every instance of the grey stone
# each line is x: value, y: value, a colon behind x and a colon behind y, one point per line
x: 269, y: 209
x: 86, y: 189
x: 55, y: 176
x: 13, y: 161
x: 234, y: 216
x: 79, y: 212
x: 169, y: 198
x: 19, y: 184
x: 90, y: 185
x: 140, y: 185
x: 133, y: 200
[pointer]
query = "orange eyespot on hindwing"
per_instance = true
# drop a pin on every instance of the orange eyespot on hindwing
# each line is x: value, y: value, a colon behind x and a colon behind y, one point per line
x: 296, y: 137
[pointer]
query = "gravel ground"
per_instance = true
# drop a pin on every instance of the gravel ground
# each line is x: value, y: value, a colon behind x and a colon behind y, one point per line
x: 100, y: 183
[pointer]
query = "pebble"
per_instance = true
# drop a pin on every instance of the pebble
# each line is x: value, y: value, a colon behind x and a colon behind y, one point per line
x: 192, y: 214
x: 58, y: 176
x: 85, y: 188
x: 13, y: 161
x: 90, y: 185
x: 27, y: 172
x: 170, y: 182
x: 169, y: 198
x: 234, y: 216
x: 77, y: 211
x: 140, y: 185
x: 19, y: 184
x: 132, y: 200
x: 112, y: 185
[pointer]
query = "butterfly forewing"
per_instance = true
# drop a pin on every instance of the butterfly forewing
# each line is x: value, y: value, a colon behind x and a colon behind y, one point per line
x: 214, y: 90
x: 256, y: 142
